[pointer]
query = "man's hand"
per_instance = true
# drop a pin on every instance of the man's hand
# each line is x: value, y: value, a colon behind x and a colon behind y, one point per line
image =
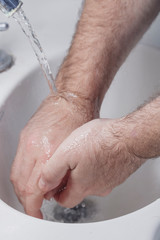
x: 56, y: 118
x: 93, y: 160
x: 103, y: 39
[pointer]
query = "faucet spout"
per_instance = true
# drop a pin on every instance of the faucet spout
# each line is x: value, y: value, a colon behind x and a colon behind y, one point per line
x: 9, y: 7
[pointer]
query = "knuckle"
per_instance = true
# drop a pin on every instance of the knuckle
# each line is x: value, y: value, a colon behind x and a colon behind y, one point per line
x: 30, y: 139
x: 31, y: 142
x: 24, y: 190
x: 45, y: 175
x: 29, y: 189
x: 13, y: 178
x: 21, y: 189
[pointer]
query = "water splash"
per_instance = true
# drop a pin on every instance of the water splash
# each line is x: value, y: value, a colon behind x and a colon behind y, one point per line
x: 23, y: 21
x: 82, y: 213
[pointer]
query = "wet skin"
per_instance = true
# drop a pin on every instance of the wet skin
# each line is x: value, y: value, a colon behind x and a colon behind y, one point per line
x: 55, y: 119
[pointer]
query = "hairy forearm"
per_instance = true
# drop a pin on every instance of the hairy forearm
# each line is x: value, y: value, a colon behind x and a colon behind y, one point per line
x: 142, y: 129
x: 106, y: 32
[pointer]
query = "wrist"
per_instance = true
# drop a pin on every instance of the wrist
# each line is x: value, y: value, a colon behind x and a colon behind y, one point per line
x: 77, y: 82
x: 142, y: 130
x: 114, y: 151
x: 76, y: 103
x: 77, y: 85
x: 120, y: 133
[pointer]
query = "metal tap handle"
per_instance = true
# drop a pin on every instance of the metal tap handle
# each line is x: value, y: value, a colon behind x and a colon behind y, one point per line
x: 6, y: 60
x: 4, y: 26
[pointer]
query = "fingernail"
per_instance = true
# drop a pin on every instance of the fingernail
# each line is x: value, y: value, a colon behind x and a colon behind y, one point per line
x: 42, y: 183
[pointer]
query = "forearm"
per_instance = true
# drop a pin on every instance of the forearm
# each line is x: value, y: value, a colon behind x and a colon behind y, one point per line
x: 142, y: 129
x: 106, y: 32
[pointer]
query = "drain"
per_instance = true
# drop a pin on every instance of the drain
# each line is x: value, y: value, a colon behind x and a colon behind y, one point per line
x: 81, y: 213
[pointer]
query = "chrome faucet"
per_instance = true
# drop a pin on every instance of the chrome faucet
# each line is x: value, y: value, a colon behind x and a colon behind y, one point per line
x: 9, y: 7
x: 6, y: 60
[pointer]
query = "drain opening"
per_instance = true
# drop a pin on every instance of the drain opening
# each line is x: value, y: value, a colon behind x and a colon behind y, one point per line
x: 82, y: 213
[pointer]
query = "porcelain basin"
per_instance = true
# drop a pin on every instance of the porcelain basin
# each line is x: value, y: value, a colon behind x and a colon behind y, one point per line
x: 136, y: 82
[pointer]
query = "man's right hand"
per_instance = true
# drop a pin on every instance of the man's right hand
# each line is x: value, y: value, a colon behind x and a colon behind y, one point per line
x: 94, y: 159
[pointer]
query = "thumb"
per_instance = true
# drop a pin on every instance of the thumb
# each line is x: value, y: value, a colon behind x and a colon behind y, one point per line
x: 64, y: 160
x: 53, y: 172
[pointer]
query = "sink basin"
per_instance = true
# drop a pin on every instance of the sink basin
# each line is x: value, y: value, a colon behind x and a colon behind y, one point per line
x: 136, y: 81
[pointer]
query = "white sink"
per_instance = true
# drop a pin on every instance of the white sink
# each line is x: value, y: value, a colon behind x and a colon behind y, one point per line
x: 133, y: 209
x: 138, y: 80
